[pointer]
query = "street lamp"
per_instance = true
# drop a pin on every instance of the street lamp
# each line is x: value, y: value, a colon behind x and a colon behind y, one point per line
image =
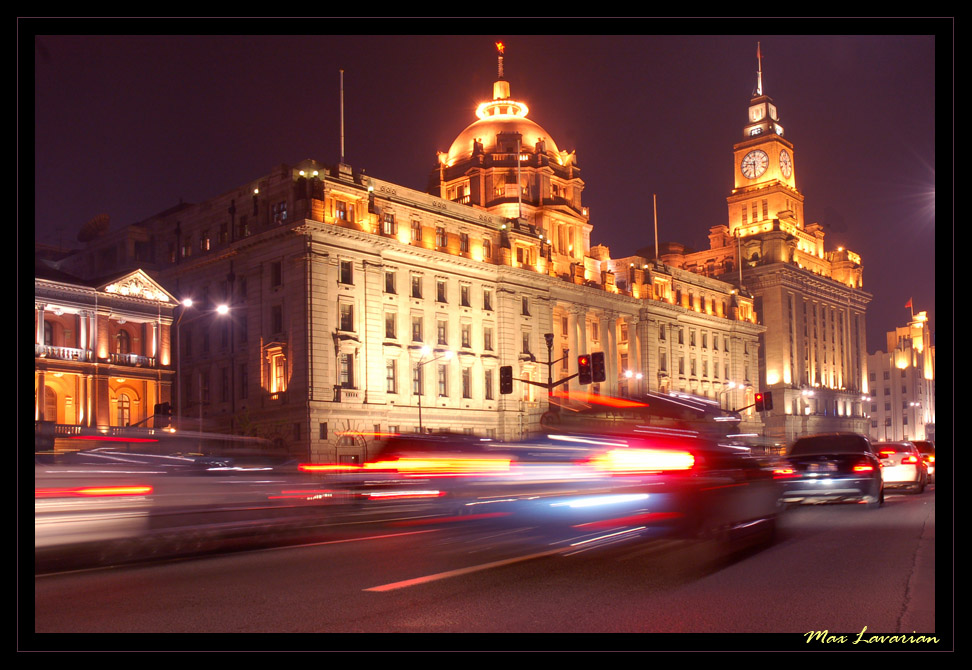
x: 729, y: 386
x: 221, y: 310
x: 426, y: 350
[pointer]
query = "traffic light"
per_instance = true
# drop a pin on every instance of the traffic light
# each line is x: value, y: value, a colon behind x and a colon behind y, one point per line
x: 506, y: 379
x: 597, y: 366
x: 768, y: 400
x: 760, y: 402
x: 163, y: 414
x: 584, y: 375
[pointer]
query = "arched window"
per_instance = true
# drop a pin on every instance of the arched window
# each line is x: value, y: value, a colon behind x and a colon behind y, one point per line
x: 48, y: 334
x: 124, y: 409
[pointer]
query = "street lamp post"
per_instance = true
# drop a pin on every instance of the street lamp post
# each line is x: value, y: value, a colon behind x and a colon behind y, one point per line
x: 426, y: 350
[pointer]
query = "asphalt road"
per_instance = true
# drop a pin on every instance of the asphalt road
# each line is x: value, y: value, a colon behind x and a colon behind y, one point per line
x: 843, y: 569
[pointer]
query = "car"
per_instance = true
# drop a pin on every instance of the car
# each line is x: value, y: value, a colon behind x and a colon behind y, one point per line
x: 578, y: 488
x: 903, y: 466
x: 832, y: 468
x: 927, y: 450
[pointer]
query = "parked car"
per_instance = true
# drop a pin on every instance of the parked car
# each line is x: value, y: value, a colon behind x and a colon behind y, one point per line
x: 927, y: 449
x: 903, y: 466
x: 833, y: 468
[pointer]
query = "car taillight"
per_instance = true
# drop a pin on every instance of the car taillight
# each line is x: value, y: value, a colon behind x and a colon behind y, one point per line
x: 629, y: 461
x: 93, y: 491
x: 909, y: 459
x: 886, y: 453
x: 442, y: 466
x: 864, y: 467
x: 327, y: 467
x: 784, y: 471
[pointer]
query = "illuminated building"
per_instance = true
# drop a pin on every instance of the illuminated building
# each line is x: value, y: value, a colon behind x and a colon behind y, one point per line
x: 902, y: 384
x: 101, y: 350
x: 359, y: 307
x: 813, y: 356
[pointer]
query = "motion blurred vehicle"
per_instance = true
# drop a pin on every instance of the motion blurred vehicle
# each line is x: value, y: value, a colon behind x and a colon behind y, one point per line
x: 832, y: 468
x: 903, y: 466
x: 141, y: 493
x: 927, y: 450
x: 582, y: 488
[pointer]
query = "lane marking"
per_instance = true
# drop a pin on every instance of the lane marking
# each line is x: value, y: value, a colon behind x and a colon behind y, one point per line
x: 464, y: 571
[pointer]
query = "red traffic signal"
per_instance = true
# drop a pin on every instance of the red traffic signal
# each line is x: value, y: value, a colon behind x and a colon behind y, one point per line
x: 760, y: 402
x: 584, y: 374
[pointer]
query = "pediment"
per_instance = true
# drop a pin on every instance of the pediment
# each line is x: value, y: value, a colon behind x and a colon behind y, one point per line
x: 137, y: 284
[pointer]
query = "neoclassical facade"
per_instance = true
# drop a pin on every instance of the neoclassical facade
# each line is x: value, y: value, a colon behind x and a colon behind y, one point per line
x: 359, y: 307
x: 102, y: 355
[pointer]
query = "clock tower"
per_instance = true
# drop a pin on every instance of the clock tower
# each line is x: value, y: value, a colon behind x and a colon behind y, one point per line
x: 764, y: 174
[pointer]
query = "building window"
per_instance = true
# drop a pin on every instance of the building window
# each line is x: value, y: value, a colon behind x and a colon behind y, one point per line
x: 487, y: 249
x: 279, y: 213
x: 416, y: 329
x: 416, y: 286
x: 391, y: 376
x: 488, y: 338
x: 440, y: 237
x: 418, y: 382
x: 391, y: 325
x: 347, y: 272
x: 390, y: 281
x: 124, y: 409
x: 526, y: 343
x: 341, y: 211
x: 466, y: 330
x: 346, y: 371
x: 467, y: 383
x: 440, y: 290
x: 464, y: 243
x: 123, y: 342
x: 487, y: 300
x: 244, y: 382
x: 488, y: 385
x: 443, y: 381
x: 276, y: 319
x: 441, y: 331
x: 525, y: 306
x: 276, y: 276
x: 416, y: 231
x: 388, y: 225
x: 464, y: 295
x: 347, y: 317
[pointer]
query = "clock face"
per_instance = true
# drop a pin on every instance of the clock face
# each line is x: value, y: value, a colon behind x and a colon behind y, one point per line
x: 786, y: 164
x: 754, y: 164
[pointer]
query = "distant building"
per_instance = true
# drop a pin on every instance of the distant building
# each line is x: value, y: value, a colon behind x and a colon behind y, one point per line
x: 102, y: 355
x: 336, y: 283
x: 902, y: 384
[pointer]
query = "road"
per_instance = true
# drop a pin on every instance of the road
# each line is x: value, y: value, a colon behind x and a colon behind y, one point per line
x: 834, y: 568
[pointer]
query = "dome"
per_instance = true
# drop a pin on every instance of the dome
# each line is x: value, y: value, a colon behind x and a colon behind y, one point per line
x: 501, y: 115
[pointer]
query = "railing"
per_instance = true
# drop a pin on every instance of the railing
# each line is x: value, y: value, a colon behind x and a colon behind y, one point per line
x: 63, y: 353
x: 131, y: 359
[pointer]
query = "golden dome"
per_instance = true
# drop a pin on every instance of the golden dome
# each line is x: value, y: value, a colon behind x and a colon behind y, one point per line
x: 501, y: 115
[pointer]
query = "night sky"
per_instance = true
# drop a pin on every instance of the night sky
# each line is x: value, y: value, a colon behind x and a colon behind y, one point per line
x: 130, y: 126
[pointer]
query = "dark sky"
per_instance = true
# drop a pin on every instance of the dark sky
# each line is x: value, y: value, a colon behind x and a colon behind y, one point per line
x: 131, y: 125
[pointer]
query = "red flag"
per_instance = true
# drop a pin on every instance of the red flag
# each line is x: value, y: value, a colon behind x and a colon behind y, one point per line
x: 908, y: 305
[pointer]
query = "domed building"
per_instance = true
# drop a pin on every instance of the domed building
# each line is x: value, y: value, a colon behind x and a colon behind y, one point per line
x: 508, y: 165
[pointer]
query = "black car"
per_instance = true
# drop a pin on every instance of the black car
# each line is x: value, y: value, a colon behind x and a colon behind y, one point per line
x: 833, y: 468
